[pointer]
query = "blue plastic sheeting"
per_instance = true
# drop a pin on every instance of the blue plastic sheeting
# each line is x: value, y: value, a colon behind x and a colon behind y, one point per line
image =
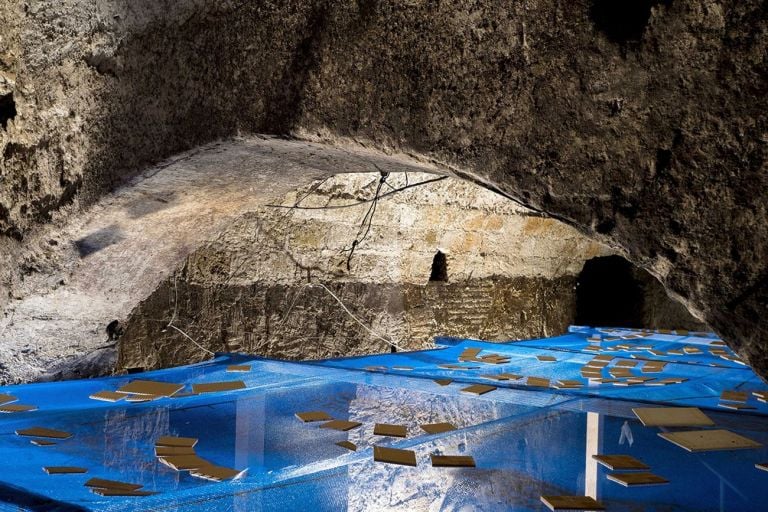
x: 525, y: 442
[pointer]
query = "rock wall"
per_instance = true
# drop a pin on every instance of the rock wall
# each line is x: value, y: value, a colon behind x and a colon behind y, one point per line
x: 644, y: 127
x: 511, y: 274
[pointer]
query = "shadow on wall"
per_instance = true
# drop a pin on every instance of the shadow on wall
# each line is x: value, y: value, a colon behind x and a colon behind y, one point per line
x: 610, y: 291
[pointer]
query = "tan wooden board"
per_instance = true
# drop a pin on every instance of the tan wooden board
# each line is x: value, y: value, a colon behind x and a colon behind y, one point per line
x: 596, y: 364
x: 546, y: 359
x: 437, y: 428
x: 762, y: 466
x: 735, y: 406
x: 111, y: 484
x: 478, y: 389
x: 571, y: 503
x: 620, y: 462
x: 692, y: 350
x: 342, y: 425
x: 497, y: 377
x: 43, y: 432
x: 217, y: 473
x: 310, y: 416
x: 452, y: 461
x: 538, y: 381
x: 348, y: 445
x: 734, y: 396
x: 443, y: 382
x: 184, y: 462
x: 457, y: 367
x: 216, y: 387
x: 709, y: 440
x: 7, y: 399
x: 672, y: 417
x: 165, y: 451
x: 150, y: 387
x: 569, y: 382
x: 17, y: 408
x: 107, y: 396
x: 394, y: 456
x: 637, y: 479
x: 63, y: 470
x: 239, y: 368
x: 605, y: 358
x: 143, y: 398
x: 42, y: 442
x: 470, y: 352
x: 626, y: 364
x: 387, y: 429
x: 511, y: 376
x: 121, y: 492
x: 176, y: 441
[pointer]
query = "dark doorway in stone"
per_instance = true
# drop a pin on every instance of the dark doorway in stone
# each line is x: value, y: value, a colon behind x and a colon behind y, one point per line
x: 7, y: 109
x: 607, y: 294
x: 623, y: 21
x: 439, y: 268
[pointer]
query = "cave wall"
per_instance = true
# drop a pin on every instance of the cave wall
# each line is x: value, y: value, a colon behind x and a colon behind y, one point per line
x: 646, y: 129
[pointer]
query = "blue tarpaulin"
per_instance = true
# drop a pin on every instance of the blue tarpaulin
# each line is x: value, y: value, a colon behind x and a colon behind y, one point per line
x: 526, y: 441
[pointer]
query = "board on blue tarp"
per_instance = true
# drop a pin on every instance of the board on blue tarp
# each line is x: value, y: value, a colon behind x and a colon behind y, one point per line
x: 526, y: 441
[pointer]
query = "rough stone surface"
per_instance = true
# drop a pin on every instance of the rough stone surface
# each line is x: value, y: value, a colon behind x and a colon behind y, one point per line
x: 649, y: 133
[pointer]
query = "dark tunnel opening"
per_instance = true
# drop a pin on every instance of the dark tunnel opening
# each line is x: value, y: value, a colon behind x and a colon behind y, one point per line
x: 608, y: 294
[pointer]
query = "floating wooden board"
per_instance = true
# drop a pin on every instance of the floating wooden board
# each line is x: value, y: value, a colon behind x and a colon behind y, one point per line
x: 215, y: 387
x: 605, y: 358
x: 239, y: 368
x: 394, y: 456
x: 538, y: 381
x: 217, y: 473
x: 626, y: 364
x: 666, y: 382
x: 150, y: 387
x: 342, y: 425
x: 348, y: 445
x: 691, y: 350
x: 107, y: 396
x: 735, y: 406
x: 636, y: 479
x: 120, y: 492
x: 63, y: 470
x: 43, y: 432
x: 166, y: 451
x: 546, y: 359
x: 142, y: 398
x: 620, y: 462
x: 734, y: 396
x: 7, y: 399
x: 443, y: 382
x: 569, y: 382
x: 478, y: 389
x: 511, y: 376
x: 452, y: 461
x: 387, y: 429
x: 176, y: 441
x: 571, y: 503
x: 437, y: 428
x: 184, y: 462
x: 762, y: 466
x: 310, y: 416
x: 672, y: 417
x: 17, y: 408
x: 103, y: 483
x: 494, y: 377
x: 709, y: 440
x: 42, y: 442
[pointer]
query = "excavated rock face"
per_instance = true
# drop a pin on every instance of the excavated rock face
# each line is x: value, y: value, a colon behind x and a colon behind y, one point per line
x: 645, y: 127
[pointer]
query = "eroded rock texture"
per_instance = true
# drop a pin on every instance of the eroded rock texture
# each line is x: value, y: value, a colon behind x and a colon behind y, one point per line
x: 643, y: 127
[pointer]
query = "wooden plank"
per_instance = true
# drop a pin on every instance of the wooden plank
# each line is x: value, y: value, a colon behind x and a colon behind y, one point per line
x: 734, y: 396
x: 188, y: 442
x: 121, y: 492
x: 103, y: 483
x: 735, y: 406
x: 709, y: 440
x: 43, y: 432
x: 387, y: 429
x: 478, y: 389
x: 7, y: 399
x: 342, y: 425
x: 571, y: 503
x: 239, y: 368
x: 452, y: 461
x: 165, y: 451
x: 217, y: 473
x: 150, y: 387
x: 216, y: 387
x: 538, y: 382
x: 394, y: 456
x: 672, y: 417
x: 310, y: 416
x: 626, y: 364
x: 184, y: 462
x: 42, y: 442
x: 443, y: 382
x: 437, y: 428
x: 63, y: 470
x: 636, y: 479
x: 348, y: 445
x: 762, y: 466
x: 546, y: 359
x: 107, y: 396
x: 620, y: 462
x: 10, y: 408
